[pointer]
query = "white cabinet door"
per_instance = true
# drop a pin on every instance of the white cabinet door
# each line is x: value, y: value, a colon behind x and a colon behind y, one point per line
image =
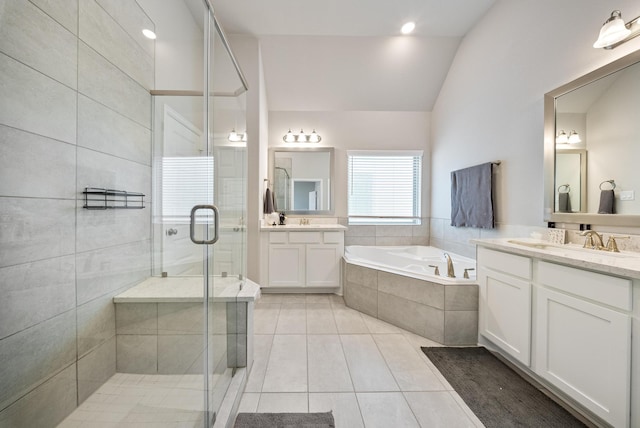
x: 323, y: 265
x: 505, y: 313
x: 584, y: 349
x: 286, y: 265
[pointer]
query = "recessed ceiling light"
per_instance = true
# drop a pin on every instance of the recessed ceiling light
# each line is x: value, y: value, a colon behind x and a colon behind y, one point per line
x: 408, y: 27
x: 149, y: 34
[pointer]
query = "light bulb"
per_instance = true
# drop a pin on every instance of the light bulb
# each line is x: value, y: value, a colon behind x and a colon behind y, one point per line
x: 562, y: 138
x: 289, y: 137
x: 302, y: 138
x: 314, y: 138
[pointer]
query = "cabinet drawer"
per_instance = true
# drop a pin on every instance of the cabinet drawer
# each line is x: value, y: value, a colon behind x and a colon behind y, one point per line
x: 333, y: 237
x: 503, y: 262
x: 610, y: 290
x: 305, y: 237
x: 277, y: 237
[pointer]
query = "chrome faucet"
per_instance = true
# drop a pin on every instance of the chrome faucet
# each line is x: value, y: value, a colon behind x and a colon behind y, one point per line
x: 593, y: 240
x: 450, y: 272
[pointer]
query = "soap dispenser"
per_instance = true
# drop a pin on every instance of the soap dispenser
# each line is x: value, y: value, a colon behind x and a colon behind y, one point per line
x: 282, y: 218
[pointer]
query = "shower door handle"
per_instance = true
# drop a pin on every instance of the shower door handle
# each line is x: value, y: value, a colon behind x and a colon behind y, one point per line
x: 193, y: 225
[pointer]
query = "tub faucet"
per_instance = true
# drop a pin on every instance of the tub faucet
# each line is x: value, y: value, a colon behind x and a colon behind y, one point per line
x: 450, y: 272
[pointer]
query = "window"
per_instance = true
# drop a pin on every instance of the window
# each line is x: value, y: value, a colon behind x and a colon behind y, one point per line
x: 186, y: 181
x: 384, y: 187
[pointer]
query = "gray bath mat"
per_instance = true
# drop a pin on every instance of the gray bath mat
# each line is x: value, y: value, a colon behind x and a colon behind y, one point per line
x: 497, y: 395
x: 285, y: 420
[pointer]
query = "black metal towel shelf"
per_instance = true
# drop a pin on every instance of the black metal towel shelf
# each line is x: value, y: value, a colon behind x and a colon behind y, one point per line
x: 96, y: 198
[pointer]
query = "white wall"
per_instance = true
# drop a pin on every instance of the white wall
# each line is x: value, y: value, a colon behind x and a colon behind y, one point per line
x: 491, y: 104
x: 358, y: 130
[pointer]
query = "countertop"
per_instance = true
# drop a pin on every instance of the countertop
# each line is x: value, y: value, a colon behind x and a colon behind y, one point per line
x: 308, y: 227
x: 626, y: 263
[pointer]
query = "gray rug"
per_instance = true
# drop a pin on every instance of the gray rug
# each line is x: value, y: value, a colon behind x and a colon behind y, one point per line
x: 497, y: 395
x: 285, y: 420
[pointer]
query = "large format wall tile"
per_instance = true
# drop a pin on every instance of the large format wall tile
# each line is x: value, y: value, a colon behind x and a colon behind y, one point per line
x: 63, y: 11
x: 104, y: 130
x: 45, y: 406
x: 30, y: 36
x: 107, y: 37
x: 33, y: 355
x: 102, y: 272
x: 137, y: 354
x: 96, y: 368
x: 96, y: 324
x: 105, y: 83
x: 35, y: 166
x: 424, y: 292
x: 97, y: 169
x: 34, y: 292
x: 133, y: 19
x: 31, y: 101
x: 180, y: 354
x: 35, y: 229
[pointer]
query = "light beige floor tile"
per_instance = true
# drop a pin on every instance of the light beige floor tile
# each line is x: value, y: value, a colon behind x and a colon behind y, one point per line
x: 328, y: 370
x: 349, y: 321
x: 320, y: 319
x: 294, y: 298
x: 410, y: 371
x: 344, y: 405
x: 269, y: 298
x: 287, y: 367
x: 292, y: 319
x: 385, y: 409
x: 283, y: 402
x: 466, y: 409
x: 437, y: 409
x: 377, y: 326
x: 336, y: 301
x: 265, y: 318
x: 317, y: 298
x: 419, y: 341
x: 261, y: 351
x: 369, y: 371
x: 249, y: 402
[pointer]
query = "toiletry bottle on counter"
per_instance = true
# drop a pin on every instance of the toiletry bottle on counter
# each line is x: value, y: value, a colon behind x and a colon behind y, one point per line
x: 282, y: 218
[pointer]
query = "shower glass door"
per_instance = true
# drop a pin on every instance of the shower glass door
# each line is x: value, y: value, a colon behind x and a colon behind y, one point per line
x: 198, y: 162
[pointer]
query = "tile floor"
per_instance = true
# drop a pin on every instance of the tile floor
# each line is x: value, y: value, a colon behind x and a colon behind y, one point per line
x: 312, y: 354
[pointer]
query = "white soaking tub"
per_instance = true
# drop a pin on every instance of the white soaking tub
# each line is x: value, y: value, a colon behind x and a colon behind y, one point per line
x: 398, y: 285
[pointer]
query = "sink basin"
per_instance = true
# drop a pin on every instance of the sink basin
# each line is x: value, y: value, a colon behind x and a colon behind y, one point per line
x: 569, y: 249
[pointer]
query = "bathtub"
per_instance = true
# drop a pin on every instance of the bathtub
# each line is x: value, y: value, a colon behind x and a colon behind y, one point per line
x: 412, y: 261
x: 398, y: 285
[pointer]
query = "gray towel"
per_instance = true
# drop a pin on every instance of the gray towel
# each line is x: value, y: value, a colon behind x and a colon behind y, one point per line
x: 564, y: 202
x: 471, y: 197
x: 606, y: 202
x: 268, y: 202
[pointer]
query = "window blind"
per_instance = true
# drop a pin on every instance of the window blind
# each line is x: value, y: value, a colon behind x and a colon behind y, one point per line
x: 186, y: 181
x: 384, y: 187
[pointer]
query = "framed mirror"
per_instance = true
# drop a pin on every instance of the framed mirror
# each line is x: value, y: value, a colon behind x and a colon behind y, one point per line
x: 301, y: 180
x: 592, y: 136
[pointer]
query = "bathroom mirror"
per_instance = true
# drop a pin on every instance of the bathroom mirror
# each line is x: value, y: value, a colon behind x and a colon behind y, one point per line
x: 301, y: 180
x: 602, y: 107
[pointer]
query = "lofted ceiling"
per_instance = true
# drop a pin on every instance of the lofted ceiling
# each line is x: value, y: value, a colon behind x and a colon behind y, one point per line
x: 349, y: 55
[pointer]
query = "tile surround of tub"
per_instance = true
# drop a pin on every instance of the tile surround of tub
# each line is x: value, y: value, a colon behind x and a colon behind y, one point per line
x: 386, y: 235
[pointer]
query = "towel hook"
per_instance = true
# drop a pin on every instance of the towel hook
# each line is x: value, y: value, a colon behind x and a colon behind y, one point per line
x: 568, y: 188
x: 613, y: 184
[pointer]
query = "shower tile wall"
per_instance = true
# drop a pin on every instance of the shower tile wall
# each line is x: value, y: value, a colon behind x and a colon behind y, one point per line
x: 75, y: 111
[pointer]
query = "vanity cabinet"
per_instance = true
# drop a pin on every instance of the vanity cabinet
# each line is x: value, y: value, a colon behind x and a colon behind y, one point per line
x: 583, y: 338
x: 505, y: 291
x: 569, y: 327
x: 305, y: 259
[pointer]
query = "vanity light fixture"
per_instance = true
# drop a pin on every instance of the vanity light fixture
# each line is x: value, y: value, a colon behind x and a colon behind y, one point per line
x: 572, y: 138
x: 615, y: 32
x: 149, y: 34
x: 236, y: 137
x: 290, y: 137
